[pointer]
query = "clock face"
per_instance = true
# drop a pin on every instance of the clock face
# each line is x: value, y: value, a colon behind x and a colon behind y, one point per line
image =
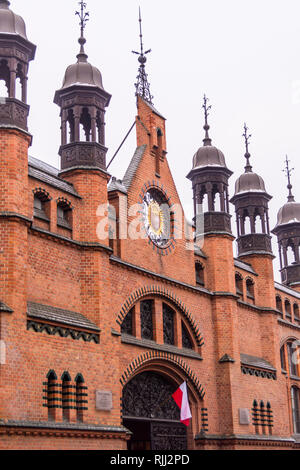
x: 156, y: 214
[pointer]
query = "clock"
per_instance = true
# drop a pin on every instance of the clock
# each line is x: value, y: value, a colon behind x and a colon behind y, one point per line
x: 156, y: 216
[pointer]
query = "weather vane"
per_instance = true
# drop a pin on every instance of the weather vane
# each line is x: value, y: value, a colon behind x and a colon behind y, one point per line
x: 83, y: 15
x: 288, y: 171
x: 247, y: 141
x: 142, y: 85
x: 207, y: 140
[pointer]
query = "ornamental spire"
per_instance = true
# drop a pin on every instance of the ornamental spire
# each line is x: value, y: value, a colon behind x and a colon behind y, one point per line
x: 142, y: 85
x: 84, y: 18
x: 248, y: 167
x: 288, y: 172
x: 207, y: 139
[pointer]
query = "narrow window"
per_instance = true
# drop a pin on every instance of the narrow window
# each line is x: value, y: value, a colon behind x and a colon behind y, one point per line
x: 269, y: 418
x: 81, y: 398
x: 295, y: 409
x: 53, y: 398
x: 255, y: 416
x: 288, y: 309
x: 186, y: 339
x: 282, y: 358
x: 250, y: 289
x: 146, y: 307
x: 199, y: 274
x: 263, y: 417
x: 64, y: 215
x: 67, y: 396
x: 278, y: 303
x: 168, y: 321
x: 239, y: 285
x: 41, y: 205
x: 296, y: 313
x: 292, y: 357
x: 127, y: 325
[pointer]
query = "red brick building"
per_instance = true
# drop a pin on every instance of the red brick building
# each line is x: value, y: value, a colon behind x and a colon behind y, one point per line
x: 99, y: 326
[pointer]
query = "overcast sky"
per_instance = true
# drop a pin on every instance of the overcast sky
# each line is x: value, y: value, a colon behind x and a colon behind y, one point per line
x: 245, y: 55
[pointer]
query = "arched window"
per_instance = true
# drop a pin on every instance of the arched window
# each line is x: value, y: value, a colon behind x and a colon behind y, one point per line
x: 239, y: 285
x: 64, y: 214
x: 70, y: 127
x: 290, y: 254
x: 293, y: 358
x: 250, y: 290
x: 278, y: 303
x: 296, y: 313
x: 52, y: 395
x: 67, y: 395
x: 85, y: 126
x: 217, y: 202
x: 127, y: 325
x: 288, y: 309
x: 41, y: 206
x: 81, y: 398
x: 161, y: 322
x: 295, y: 409
x: 199, y: 274
x: 282, y: 358
x: 168, y: 324
x: 4, y: 79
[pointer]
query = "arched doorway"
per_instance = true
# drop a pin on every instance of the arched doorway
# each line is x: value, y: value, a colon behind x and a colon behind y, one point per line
x: 151, y: 414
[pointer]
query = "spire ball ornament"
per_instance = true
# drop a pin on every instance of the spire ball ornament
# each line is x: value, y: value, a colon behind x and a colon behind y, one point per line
x: 247, y: 138
x: 207, y: 140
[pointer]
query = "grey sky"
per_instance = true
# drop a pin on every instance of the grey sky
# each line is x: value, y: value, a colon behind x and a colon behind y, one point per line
x: 244, y: 55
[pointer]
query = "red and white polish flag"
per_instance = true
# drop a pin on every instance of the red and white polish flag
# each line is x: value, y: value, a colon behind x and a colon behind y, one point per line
x: 181, y: 399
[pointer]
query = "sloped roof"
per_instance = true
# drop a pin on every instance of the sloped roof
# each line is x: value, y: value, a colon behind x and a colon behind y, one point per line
x: 49, y: 174
x: 133, y: 166
x: 59, y: 315
x: 254, y: 361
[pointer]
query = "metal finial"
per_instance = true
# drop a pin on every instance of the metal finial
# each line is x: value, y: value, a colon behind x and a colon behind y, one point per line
x: 247, y: 137
x: 288, y: 171
x: 207, y: 139
x: 142, y: 86
x: 84, y: 18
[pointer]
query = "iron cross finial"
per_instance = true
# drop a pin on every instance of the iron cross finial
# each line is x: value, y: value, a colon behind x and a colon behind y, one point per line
x: 288, y: 171
x: 83, y: 15
x: 142, y: 86
x: 207, y: 140
x: 247, y: 138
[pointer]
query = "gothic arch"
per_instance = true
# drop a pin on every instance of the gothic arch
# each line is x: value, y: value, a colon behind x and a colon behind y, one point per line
x: 167, y: 364
x: 147, y: 291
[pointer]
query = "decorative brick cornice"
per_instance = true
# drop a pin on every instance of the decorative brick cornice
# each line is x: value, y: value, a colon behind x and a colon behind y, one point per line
x: 165, y: 293
x: 246, y: 440
x: 61, y: 430
x: 45, y: 196
x: 146, y: 272
x: 265, y: 374
x: 162, y: 356
x: 63, y: 331
x: 69, y: 241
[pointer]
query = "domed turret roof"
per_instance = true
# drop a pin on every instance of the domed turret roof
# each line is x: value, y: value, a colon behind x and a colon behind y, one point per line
x: 82, y: 72
x: 208, y: 155
x: 11, y: 23
x: 249, y: 182
x: 289, y: 214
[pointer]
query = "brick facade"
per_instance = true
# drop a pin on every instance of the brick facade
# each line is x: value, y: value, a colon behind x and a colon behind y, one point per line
x: 66, y: 292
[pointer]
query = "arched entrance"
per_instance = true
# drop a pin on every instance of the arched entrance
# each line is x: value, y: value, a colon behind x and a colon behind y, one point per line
x: 151, y: 414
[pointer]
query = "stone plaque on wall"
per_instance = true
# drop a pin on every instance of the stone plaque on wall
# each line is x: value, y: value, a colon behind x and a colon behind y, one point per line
x: 244, y: 416
x: 103, y: 400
